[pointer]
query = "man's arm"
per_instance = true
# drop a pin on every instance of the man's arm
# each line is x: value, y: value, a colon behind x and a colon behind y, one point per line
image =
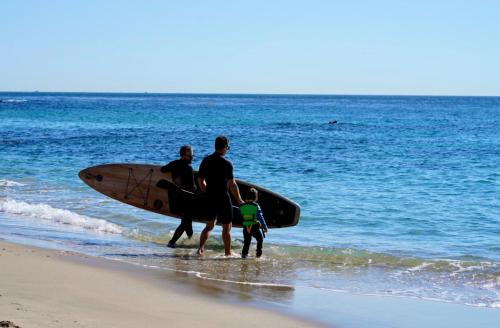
x: 202, y: 184
x: 166, y: 168
x: 235, y: 190
x: 231, y: 183
x: 201, y: 176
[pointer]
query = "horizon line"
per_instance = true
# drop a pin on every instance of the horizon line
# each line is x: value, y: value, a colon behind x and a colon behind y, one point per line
x: 244, y: 94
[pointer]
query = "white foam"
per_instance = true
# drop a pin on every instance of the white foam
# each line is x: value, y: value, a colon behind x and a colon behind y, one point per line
x: 49, y: 213
x: 13, y: 100
x: 9, y: 183
x: 419, y: 267
x: 261, y: 284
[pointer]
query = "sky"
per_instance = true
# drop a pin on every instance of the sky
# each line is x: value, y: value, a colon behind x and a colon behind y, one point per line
x: 272, y: 47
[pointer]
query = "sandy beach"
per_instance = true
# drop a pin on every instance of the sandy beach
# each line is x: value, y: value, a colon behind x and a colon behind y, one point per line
x: 47, y: 288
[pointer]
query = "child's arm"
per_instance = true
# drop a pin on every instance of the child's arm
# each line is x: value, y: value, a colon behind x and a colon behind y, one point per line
x: 261, y: 219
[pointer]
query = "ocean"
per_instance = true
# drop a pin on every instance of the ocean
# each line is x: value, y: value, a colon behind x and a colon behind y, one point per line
x: 399, y: 195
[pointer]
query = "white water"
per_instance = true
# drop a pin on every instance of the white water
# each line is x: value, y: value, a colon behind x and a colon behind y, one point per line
x: 56, y: 215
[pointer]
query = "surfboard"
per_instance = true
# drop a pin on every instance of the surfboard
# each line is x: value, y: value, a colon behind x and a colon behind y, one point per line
x: 146, y: 187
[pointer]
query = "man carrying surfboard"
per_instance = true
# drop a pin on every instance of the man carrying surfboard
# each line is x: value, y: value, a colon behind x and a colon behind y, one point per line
x: 182, y: 175
x: 216, y: 179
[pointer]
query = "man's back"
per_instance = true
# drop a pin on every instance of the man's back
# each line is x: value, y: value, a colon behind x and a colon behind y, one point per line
x: 217, y: 171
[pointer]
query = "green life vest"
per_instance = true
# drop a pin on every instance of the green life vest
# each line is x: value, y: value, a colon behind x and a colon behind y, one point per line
x: 249, y: 213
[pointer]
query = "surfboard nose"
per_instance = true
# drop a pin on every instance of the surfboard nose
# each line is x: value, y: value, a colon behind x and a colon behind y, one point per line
x: 85, y: 174
x: 89, y: 174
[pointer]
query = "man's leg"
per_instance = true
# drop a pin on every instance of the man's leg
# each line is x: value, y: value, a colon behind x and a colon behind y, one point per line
x: 226, y: 219
x: 226, y: 237
x: 189, y: 228
x: 187, y: 221
x: 177, y: 234
x: 204, y: 236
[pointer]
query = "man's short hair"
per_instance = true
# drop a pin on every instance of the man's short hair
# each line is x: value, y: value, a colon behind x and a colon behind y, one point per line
x: 184, y: 149
x: 221, y: 142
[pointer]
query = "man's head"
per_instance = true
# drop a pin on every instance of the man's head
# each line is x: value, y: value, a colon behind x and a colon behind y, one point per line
x: 221, y: 144
x: 186, y: 153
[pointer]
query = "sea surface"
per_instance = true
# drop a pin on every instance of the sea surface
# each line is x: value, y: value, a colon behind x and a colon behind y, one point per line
x: 400, y: 197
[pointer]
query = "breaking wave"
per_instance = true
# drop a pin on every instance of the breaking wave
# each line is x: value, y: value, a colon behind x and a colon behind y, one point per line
x: 9, y: 183
x: 56, y: 215
x: 13, y: 100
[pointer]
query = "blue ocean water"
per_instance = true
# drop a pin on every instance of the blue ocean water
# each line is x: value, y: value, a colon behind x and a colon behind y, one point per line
x: 401, y: 196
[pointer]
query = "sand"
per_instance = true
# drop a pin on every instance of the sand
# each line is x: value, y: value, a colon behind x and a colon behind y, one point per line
x: 49, y: 288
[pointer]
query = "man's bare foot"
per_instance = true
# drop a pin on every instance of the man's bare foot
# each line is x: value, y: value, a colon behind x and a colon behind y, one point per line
x: 199, y: 252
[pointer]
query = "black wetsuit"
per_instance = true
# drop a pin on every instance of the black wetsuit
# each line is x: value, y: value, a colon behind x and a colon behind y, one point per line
x: 217, y: 171
x: 182, y: 175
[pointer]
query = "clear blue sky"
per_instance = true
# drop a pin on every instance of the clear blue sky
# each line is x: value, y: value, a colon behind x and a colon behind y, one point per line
x: 323, y: 47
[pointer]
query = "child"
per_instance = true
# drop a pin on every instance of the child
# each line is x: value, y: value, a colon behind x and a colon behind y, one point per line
x: 253, y: 220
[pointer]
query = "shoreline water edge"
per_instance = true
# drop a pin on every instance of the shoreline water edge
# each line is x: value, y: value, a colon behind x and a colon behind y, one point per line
x: 53, y: 288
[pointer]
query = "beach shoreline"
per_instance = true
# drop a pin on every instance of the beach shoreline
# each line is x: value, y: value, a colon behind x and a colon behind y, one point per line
x: 42, y: 287
x: 50, y: 288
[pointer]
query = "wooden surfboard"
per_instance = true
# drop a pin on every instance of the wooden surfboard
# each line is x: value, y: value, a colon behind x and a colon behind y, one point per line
x: 146, y: 187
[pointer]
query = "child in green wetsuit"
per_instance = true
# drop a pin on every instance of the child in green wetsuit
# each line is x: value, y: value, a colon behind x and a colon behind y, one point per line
x: 253, y: 221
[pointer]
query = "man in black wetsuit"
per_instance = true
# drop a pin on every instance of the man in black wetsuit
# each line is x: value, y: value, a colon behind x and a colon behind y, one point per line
x: 216, y: 179
x: 182, y: 175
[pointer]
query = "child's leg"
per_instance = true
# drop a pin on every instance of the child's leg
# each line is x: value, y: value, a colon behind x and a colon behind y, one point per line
x: 257, y: 234
x: 247, y: 239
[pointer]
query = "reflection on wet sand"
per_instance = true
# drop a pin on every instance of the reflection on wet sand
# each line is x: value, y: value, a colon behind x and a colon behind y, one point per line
x: 217, y: 276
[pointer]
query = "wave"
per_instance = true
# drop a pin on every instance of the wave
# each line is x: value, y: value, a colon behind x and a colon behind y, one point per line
x: 56, y: 215
x: 353, y: 258
x: 9, y: 183
x: 13, y: 100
